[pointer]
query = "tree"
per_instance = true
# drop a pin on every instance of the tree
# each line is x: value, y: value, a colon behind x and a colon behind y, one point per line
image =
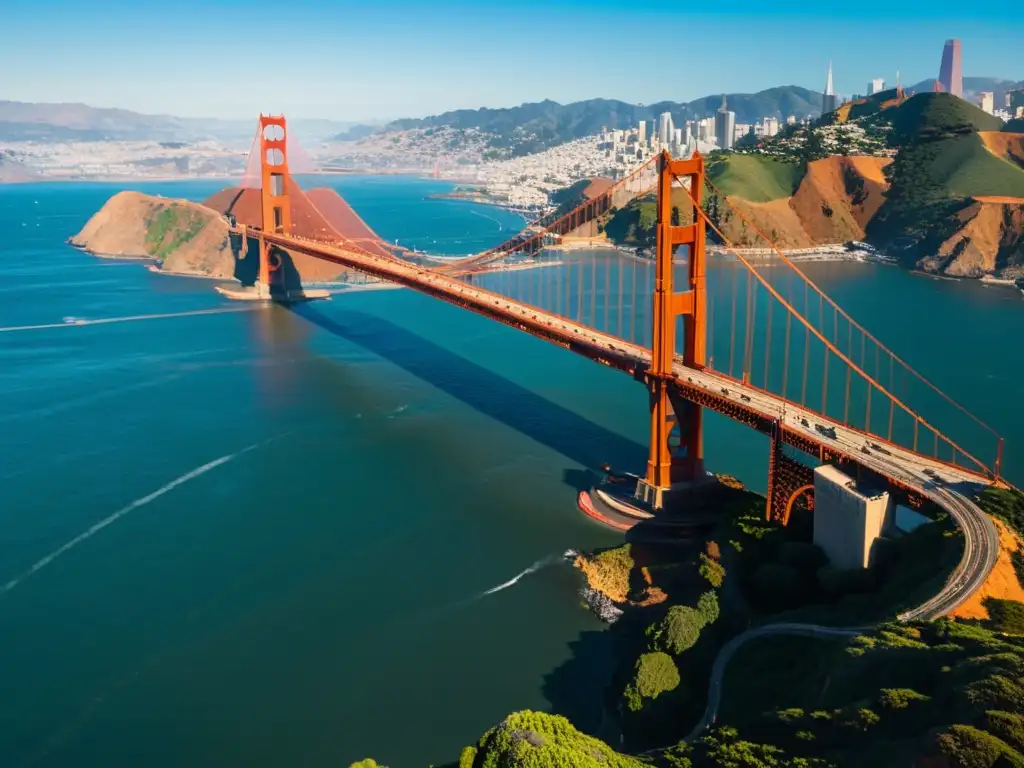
x: 678, y: 631
x: 1005, y: 615
x: 968, y: 747
x: 712, y: 571
x: 540, y: 740
x: 707, y: 606
x: 655, y: 674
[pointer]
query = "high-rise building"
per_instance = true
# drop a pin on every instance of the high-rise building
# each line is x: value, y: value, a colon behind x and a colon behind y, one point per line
x: 987, y: 102
x: 725, y: 125
x: 677, y: 138
x: 642, y: 131
x: 665, y: 128
x: 828, y: 99
x: 876, y: 86
x: 770, y: 126
x: 950, y: 72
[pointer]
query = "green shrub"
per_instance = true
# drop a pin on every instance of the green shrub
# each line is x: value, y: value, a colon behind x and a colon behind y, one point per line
x: 707, y: 606
x: 369, y: 762
x: 712, y: 571
x: 899, y: 698
x: 678, y: 631
x: 968, y: 747
x: 655, y: 674
x: 1008, y: 726
x: 1005, y: 615
x: 539, y: 740
x: 467, y: 757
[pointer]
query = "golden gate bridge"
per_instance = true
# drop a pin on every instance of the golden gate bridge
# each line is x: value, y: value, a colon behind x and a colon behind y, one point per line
x: 836, y: 393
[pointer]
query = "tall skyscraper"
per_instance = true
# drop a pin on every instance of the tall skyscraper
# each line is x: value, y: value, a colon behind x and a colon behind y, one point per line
x: 950, y: 72
x: 642, y: 131
x: 876, y: 86
x: 828, y: 99
x: 725, y: 125
x: 665, y: 128
x: 987, y: 102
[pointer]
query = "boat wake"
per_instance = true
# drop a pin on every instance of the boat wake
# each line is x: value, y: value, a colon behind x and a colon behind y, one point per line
x: 96, y: 528
x: 542, y: 563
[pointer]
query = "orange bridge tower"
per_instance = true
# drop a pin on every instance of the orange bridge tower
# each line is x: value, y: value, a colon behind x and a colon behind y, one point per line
x: 674, y: 469
x: 275, y: 183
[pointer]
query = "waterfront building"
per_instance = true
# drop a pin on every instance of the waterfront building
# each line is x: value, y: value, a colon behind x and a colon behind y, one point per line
x: 950, y: 72
x: 828, y: 98
x: 725, y: 126
x: 876, y: 86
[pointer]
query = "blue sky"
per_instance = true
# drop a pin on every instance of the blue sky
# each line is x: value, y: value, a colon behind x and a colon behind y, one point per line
x: 392, y: 58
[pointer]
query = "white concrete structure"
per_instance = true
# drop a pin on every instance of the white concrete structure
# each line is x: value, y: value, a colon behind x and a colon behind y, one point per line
x: 666, y: 128
x: 987, y: 102
x: 876, y: 86
x: 847, y: 521
x: 725, y: 126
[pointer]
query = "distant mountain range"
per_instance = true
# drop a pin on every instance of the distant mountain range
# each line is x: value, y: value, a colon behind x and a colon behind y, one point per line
x: 26, y: 121
x: 973, y: 87
x: 536, y: 126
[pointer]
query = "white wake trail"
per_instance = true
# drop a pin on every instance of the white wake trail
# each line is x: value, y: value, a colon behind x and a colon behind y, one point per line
x: 39, y: 565
x: 522, y: 574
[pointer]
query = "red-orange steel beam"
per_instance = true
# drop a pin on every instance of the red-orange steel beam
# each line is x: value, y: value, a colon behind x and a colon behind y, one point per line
x: 789, y: 262
x: 846, y: 360
x: 666, y: 306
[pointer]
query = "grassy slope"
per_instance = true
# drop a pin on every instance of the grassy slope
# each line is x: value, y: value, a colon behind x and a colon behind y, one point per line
x: 966, y: 168
x: 755, y: 178
x: 941, y: 163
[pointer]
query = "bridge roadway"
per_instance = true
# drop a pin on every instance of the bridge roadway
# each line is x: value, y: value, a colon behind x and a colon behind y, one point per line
x: 942, y: 483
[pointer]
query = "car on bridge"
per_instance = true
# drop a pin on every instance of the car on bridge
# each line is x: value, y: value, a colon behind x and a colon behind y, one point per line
x: 829, y: 432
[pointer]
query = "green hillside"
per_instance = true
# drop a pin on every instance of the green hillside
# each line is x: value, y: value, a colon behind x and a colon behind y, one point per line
x: 1014, y: 126
x: 755, y: 178
x: 936, y: 116
x: 965, y: 168
x: 940, y: 164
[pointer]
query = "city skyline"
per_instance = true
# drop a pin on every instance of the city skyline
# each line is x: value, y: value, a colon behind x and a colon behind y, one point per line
x: 357, y: 63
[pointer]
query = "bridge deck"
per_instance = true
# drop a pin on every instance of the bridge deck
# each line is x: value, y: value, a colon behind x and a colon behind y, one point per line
x: 922, y: 473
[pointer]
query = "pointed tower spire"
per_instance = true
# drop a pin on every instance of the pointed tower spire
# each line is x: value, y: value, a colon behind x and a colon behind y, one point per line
x: 723, y: 108
x: 828, y: 83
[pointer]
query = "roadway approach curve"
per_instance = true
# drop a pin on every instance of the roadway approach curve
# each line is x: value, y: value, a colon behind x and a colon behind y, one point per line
x: 944, y: 484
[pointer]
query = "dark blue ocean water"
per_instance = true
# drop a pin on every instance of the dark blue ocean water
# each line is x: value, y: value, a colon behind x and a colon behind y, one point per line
x: 264, y: 537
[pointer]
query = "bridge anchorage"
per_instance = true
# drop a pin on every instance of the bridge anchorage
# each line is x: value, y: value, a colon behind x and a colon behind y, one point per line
x: 851, y: 413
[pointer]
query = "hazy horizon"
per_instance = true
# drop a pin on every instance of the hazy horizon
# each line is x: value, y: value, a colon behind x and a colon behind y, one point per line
x: 355, y: 63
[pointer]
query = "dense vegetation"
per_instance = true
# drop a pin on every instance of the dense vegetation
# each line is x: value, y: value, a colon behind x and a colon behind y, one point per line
x: 536, y: 126
x: 946, y: 693
x: 888, y: 697
x: 941, y: 163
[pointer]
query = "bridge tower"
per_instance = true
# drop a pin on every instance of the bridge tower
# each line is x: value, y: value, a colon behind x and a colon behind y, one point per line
x: 274, y: 187
x: 667, y: 469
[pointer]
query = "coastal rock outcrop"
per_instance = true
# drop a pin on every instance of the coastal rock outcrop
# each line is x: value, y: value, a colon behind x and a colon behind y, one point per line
x: 185, y: 237
x: 989, y: 240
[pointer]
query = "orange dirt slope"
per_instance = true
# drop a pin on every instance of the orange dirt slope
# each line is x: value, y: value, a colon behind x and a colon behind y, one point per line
x: 319, y: 214
x: 1002, y: 583
x: 834, y: 202
x: 1009, y: 146
x: 987, y: 228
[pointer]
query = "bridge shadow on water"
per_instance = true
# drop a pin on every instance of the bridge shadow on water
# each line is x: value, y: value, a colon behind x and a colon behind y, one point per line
x: 548, y: 423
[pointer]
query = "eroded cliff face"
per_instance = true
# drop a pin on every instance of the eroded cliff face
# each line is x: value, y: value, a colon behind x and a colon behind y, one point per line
x: 187, y: 237
x: 989, y: 240
x: 834, y: 202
